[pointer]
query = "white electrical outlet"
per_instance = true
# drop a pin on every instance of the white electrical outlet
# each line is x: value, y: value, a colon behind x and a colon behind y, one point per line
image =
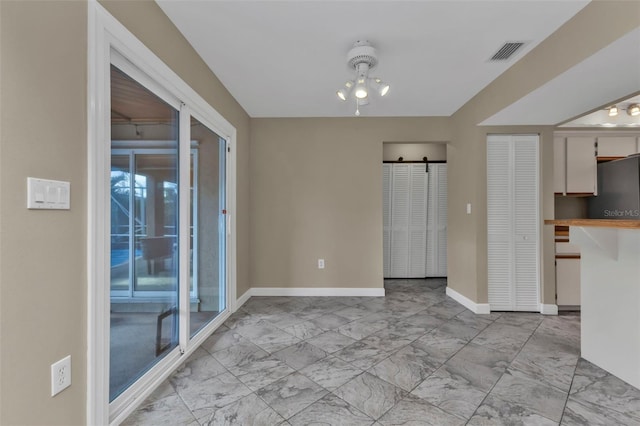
x: 60, y: 375
x: 320, y: 263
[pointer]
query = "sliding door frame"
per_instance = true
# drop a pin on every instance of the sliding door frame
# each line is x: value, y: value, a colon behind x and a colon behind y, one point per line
x: 110, y: 42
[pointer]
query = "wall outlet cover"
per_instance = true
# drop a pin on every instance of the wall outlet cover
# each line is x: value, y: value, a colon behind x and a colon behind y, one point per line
x: 60, y: 375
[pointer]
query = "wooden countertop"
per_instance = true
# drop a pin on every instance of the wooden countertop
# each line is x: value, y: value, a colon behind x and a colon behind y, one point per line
x: 602, y: 223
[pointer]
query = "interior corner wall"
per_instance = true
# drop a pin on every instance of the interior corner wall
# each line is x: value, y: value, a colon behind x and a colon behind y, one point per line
x: 148, y: 23
x: 43, y: 281
x: 317, y: 194
x: 593, y: 28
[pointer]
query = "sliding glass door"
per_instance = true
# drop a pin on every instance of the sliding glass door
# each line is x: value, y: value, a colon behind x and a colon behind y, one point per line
x: 152, y: 298
x: 208, y: 226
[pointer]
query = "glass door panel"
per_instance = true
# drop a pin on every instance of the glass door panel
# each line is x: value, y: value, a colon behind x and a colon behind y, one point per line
x: 144, y: 218
x: 208, y: 226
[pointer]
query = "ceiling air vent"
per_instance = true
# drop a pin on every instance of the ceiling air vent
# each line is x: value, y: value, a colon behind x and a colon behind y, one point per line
x: 507, y: 50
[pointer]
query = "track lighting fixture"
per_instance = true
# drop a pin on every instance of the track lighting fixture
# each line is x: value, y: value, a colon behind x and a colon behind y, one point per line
x: 633, y: 110
x: 613, y: 111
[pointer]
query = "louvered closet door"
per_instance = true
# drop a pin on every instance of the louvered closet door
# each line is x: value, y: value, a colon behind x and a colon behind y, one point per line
x: 400, y: 197
x: 436, y: 265
x: 405, y: 220
x: 499, y: 223
x: 417, y: 221
x: 526, y: 223
x: 512, y: 222
x: 386, y: 218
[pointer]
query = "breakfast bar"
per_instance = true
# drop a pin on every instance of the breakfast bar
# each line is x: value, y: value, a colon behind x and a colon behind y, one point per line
x: 610, y: 293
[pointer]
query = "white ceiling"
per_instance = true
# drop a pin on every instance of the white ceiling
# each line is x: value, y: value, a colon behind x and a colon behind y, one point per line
x: 288, y: 58
x: 610, y: 74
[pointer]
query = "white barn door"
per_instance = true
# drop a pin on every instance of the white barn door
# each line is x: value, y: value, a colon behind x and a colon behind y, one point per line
x: 437, y: 221
x: 386, y: 217
x: 404, y: 220
x: 513, y: 222
x: 400, y: 200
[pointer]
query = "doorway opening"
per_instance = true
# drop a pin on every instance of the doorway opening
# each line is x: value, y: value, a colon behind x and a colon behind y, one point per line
x: 414, y: 210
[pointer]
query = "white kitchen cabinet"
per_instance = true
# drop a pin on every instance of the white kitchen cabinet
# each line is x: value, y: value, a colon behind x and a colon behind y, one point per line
x: 513, y: 222
x: 581, y: 165
x: 576, y: 157
x: 560, y: 165
x: 567, y: 280
x: 616, y: 146
x: 567, y: 248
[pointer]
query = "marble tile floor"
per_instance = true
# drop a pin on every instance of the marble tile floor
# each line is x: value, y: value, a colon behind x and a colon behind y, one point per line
x: 414, y: 357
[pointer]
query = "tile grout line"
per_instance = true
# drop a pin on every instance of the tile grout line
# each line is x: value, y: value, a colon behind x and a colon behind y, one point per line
x: 503, y: 373
x: 564, y: 407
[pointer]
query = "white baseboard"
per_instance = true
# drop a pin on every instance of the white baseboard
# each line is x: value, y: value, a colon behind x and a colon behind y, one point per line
x: 315, y: 291
x: 548, y: 309
x: 477, y: 308
x: 243, y: 299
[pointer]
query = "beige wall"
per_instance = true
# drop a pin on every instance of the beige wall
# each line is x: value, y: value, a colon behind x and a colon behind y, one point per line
x: 43, y: 128
x: 43, y: 277
x: 596, y: 26
x: 316, y: 192
x: 391, y: 151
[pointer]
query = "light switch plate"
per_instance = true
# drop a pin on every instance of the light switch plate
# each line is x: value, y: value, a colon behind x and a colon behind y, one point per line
x: 48, y: 194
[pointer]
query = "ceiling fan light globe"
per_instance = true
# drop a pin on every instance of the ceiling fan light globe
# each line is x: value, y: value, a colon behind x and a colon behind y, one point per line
x: 361, y: 93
